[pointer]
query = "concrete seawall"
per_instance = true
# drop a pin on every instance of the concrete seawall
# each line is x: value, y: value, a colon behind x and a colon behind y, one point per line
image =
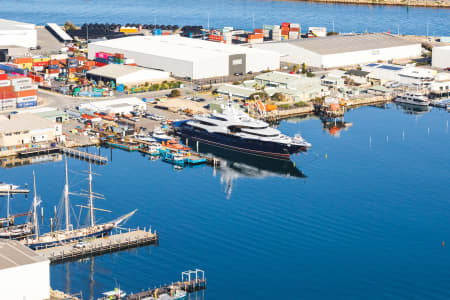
x: 421, y: 3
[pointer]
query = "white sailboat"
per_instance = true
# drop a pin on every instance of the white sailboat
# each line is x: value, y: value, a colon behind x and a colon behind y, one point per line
x: 69, y: 234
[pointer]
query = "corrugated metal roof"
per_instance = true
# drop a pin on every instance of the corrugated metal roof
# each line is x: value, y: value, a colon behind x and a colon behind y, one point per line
x: 23, y: 122
x: 175, y: 47
x: 117, y: 71
x: 13, y: 254
x: 351, y: 43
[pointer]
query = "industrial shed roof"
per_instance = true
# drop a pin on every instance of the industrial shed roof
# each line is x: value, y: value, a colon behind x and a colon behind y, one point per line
x: 13, y: 254
x: 23, y: 122
x: 117, y: 71
x: 176, y: 47
x: 351, y: 43
x: 14, y: 25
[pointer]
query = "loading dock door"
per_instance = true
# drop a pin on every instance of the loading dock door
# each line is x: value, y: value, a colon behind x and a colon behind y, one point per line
x: 237, y: 64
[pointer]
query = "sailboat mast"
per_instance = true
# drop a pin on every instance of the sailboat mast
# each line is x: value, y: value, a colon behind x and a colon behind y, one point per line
x: 91, y: 196
x: 35, y: 219
x: 66, y: 199
x: 7, y: 207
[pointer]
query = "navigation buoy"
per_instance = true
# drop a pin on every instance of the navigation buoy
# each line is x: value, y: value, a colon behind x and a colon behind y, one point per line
x: 326, y: 156
x: 443, y: 244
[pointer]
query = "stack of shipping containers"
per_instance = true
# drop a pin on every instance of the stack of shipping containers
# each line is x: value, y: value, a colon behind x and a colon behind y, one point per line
x: 16, y: 90
x: 294, y: 31
x: 104, y: 58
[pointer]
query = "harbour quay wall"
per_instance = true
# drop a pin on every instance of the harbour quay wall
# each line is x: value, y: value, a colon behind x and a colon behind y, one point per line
x: 420, y: 3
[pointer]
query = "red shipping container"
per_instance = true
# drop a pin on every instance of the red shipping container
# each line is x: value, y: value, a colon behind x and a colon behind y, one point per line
x: 293, y: 29
x: 258, y: 30
x: 3, y: 76
x: 41, y: 64
x: 285, y: 24
x: 26, y: 93
x: 39, y: 79
x: 99, y: 64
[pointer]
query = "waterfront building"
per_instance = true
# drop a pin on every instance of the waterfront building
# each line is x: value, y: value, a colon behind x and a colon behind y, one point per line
x: 186, y: 57
x: 128, y: 75
x: 405, y: 75
x: 20, y: 130
x: 294, y: 87
x: 345, y: 50
x: 24, y: 274
x: 114, y: 106
x: 441, y: 57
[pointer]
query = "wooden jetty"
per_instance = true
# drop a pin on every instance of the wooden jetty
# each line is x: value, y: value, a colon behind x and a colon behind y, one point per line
x: 84, y: 155
x: 191, y: 281
x: 112, y: 243
x: 69, y: 151
x: 14, y: 191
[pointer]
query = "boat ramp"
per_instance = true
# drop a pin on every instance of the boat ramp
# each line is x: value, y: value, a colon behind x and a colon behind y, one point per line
x: 92, y: 247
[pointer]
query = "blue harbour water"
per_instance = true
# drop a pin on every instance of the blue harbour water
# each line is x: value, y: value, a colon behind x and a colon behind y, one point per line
x: 237, y: 13
x: 361, y: 216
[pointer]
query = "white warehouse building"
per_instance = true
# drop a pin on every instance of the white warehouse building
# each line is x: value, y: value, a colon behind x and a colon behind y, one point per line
x: 345, y: 50
x: 441, y: 57
x: 187, y: 57
x: 13, y: 33
x: 24, y: 274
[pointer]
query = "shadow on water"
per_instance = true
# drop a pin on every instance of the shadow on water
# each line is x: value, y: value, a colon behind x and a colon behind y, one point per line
x: 412, y: 109
x: 247, y: 165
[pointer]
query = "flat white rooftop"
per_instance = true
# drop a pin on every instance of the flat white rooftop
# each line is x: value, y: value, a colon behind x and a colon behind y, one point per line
x: 15, y: 25
x: 176, y: 47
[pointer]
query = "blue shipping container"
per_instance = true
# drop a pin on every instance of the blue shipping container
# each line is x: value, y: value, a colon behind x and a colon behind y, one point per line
x: 26, y: 104
x: 52, y: 67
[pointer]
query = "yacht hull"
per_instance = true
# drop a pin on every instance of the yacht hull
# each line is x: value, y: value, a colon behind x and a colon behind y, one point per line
x: 259, y: 148
x: 54, y: 243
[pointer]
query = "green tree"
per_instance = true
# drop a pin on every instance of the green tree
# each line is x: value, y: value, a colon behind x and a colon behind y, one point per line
x: 278, y: 97
x: 155, y: 87
x: 68, y: 25
x: 175, y: 93
x: 259, y: 96
x: 303, y: 68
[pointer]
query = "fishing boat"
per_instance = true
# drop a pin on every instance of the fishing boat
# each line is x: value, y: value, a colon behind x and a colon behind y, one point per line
x: 160, y: 135
x: 69, y: 234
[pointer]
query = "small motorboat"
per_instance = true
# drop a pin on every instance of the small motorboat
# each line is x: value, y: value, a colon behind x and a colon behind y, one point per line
x: 116, y: 294
x: 145, y: 138
x: 174, y: 145
x: 160, y: 135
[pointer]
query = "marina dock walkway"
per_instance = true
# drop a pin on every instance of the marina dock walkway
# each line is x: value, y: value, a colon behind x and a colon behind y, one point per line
x: 65, y: 150
x: 112, y: 243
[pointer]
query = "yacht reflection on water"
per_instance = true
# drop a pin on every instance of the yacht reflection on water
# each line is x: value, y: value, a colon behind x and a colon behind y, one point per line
x: 237, y: 165
x: 413, y: 109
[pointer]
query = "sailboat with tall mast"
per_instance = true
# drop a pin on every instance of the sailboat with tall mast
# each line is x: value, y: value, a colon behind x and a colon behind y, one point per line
x: 69, y: 234
x: 8, y: 228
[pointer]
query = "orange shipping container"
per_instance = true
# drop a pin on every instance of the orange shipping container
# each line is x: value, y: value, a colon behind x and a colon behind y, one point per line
x: 23, y: 60
x: 6, y: 89
x: 26, y: 93
x: 258, y: 30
